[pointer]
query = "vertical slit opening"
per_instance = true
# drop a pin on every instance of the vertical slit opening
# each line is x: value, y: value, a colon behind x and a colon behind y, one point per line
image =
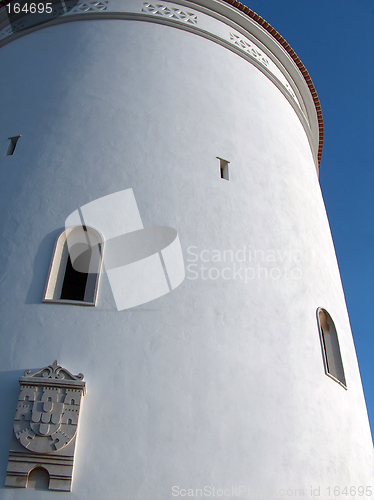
x: 224, y: 168
x: 12, y: 145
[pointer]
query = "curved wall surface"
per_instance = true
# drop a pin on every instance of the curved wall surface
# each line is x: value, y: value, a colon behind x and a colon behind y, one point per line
x: 220, y: 383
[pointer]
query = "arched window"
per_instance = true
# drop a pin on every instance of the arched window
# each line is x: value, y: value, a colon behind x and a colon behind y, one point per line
x: 330, y: 347
x: 75, y: 268
x: 38, y: 479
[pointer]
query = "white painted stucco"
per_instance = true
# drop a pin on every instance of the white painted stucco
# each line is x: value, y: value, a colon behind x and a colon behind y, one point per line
x: 221, y: 382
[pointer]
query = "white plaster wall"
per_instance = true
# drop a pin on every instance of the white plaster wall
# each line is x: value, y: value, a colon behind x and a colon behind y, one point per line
x: 219, y: 383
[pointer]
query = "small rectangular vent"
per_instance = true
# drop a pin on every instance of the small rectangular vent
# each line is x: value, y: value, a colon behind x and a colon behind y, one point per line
x: 224, y: 167
x: 12, y: 145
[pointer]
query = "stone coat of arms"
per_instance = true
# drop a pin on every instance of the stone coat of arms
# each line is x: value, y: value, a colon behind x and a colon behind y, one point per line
x: 46, y: 421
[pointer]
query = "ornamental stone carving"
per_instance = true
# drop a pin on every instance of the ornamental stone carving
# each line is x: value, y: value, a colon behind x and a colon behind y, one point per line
x: 171, y: 12
x: 45, y: 426
x: 250, y: 48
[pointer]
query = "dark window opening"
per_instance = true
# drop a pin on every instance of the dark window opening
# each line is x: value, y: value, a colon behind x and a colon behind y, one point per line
x: 74, y: 284
x: 75, y: 268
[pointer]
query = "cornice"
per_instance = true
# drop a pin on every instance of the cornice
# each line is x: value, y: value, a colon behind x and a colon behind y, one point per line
x: 273, y: 32
x: 226, y: 22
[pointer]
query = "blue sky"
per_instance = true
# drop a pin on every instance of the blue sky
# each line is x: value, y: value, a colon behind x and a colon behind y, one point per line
x: 335, y: 41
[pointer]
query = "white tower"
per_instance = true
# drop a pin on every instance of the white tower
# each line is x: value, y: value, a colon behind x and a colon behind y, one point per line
x: 243, y: 380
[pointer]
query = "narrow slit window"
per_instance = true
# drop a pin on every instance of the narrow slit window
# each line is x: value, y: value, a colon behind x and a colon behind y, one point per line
x: 330, y: 347
x: 224, y: 168
x: 75, y: 268
x: 12, y: 145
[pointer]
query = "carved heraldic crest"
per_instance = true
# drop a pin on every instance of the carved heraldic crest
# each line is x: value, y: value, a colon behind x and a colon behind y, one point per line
x: 45, y: 425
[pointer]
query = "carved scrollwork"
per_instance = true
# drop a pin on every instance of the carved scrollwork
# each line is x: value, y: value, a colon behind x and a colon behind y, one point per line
x: 54, y: 371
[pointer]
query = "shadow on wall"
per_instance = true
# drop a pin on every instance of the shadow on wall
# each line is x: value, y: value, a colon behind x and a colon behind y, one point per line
x: 9, y: 390
x: 41, y: 265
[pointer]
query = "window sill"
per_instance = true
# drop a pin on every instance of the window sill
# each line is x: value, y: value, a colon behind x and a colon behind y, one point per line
x: 69, y: 302
x: 337, y: 380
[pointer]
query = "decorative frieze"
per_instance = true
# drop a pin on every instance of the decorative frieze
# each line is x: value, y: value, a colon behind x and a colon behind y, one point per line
x: 206, y: 26
x: 253, y: 51
x: 250, y: 48
x: 90, y: 7
x: 45, y: 427
x: 159, y: 9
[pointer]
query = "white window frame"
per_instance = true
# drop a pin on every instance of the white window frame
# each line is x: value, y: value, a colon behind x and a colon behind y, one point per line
x: 57, y: 269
